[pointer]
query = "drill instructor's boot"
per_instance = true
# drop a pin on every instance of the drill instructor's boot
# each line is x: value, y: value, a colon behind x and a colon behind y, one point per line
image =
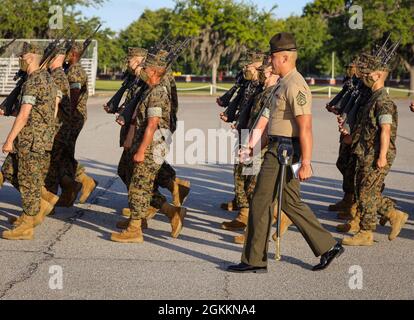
x: 285, y: 223
x: 179, y: 190
x: 397, y: 220
x: 344, y: 204
x: 176, y: 216
x: 24, y: 231
x: 351, y: 226
x: 88, y: 186
x: 70, y: 191
x: 230, y: 206
x: 349, y: 213
x: 132, y: 234
x: 239, y: 223
x: 362, y: 238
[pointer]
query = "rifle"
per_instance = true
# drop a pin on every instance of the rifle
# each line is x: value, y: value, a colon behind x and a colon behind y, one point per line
x: 225, y: 99
x: 11, y: 103
x: 246, y: 106
x: 234, y: 105
x: 4, y: 48
x: 68, y: 46
x: 88, y: 41
x: 112, y: 106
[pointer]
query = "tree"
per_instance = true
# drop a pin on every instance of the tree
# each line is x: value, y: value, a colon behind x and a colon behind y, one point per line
x: 222, y: 29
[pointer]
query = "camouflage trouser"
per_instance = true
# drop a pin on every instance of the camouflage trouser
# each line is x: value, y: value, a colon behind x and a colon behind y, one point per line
x: 61, y: 164
x: 346, y: 165
x: 77, y: 127
x: 143, y: 185
x: 370, y: 201
x: 166, y: 174
x: 25, y: 171
x: 240, y: 186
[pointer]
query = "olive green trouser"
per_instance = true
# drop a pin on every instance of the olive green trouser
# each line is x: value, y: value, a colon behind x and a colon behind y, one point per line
x: 261, y: 215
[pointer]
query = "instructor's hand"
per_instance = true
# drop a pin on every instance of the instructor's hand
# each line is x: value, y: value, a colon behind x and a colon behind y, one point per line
x: 305, y: 172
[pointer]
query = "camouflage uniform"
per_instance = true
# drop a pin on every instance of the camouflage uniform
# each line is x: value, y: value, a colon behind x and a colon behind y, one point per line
x: 143, y: 185
x: 369, y: 179
x: 61, y: 162
x: 25, y: 168
x: 78, y: 79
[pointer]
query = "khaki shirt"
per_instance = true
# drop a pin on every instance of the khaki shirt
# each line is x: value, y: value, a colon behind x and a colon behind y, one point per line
x: 292, y: 98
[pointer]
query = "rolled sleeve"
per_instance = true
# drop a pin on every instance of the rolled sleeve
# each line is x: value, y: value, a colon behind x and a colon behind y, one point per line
x: 76, y: 85
x: 26, y: 99
x: 385, y: 119
x: 154, y: 112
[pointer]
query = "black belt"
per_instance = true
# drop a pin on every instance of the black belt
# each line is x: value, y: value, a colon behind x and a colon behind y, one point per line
x: 280, y: 139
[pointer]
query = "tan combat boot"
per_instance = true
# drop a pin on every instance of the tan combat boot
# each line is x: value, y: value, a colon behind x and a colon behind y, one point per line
x: 132, y: 234
x: 285, y: 223
x: 88, y: 186
x: 349, y: 213
x: 123, y: 224
x: 352, y: 226
x: 179, y: 190
x: 126, y: 212
x: 1, y: 179
x: 240, y: 223
x: 48, y: 201
x: 362, y: 238
x: 230, y: 206
x: 240, y: 239
x: 176, y: 216
x: 24, y: 231
x: 344, y: 204
x: 70, y: 191
x: 397, y: 220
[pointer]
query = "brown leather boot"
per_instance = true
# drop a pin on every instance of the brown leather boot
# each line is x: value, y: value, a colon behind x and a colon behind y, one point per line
x: 285, y: 223
x: 70, y: 191
x: 349, y: 213
x: 240, y: 223
x: 230, y: 206
x: 88, y: 186
x: 132, y: 234
x: 24, y: 231
x: 176, y: 216
x: 344, y: 204
x: 397, y: 219
x: 352, y: 226
x: 362, y: 238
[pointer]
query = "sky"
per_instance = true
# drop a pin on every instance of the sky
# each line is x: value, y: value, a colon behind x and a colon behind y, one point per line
x: 118, y: 14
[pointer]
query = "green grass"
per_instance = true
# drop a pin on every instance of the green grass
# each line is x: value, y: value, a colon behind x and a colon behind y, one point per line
x: 113, y: 85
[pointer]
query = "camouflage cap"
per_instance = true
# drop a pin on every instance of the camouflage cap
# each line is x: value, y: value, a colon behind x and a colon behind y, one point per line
x: 31, y: 48
x: 137, y: 52
x: 251, y: 57
x: 155, y: 60
x: 368, y: 63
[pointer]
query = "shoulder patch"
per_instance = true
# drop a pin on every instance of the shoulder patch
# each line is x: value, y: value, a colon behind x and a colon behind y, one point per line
x: 301, y: 99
